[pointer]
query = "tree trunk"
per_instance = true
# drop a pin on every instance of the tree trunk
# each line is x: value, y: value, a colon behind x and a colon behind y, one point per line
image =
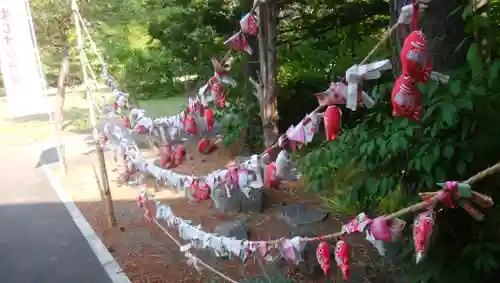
x: 267, y: 58
x: 270, y: 122
x: 443, y: 30
x: 262, y: 69
x: 61, y: 89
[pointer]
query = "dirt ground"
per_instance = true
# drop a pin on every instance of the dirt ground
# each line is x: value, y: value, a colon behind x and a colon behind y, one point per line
x: 147, y: 255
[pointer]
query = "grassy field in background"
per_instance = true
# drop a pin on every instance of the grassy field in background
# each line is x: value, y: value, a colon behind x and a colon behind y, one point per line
x: 76, y: 118
x: 163, y: 107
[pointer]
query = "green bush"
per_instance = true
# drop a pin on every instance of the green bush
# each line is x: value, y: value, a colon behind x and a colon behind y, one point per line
x: 456, y: 137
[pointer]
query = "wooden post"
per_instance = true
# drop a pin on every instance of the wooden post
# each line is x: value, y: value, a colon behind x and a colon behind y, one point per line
x: 99, y: 150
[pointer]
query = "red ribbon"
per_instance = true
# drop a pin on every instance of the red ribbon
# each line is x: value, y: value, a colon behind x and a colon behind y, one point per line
x: 414, y: 20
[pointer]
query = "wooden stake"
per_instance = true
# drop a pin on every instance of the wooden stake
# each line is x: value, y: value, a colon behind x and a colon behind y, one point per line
x: 99, y: 150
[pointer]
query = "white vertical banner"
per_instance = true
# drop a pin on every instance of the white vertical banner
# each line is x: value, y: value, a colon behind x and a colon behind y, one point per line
x: 21, y: 72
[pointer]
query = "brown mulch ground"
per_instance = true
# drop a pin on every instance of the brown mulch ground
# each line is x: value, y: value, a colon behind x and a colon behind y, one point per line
x: 147, y: 255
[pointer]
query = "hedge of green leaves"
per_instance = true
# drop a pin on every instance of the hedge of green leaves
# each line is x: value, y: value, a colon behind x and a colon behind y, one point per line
x: 381, y: 163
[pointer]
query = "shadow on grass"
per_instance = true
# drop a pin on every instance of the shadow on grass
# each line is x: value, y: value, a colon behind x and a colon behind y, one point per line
x: 75, y: 120
x: 69, y: 115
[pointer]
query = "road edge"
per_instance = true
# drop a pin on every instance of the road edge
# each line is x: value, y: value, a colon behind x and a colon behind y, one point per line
x: 107, y: 261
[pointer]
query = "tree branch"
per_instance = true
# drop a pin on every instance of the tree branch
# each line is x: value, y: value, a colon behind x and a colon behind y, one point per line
x: 258, y: 89
x: 344, y: 15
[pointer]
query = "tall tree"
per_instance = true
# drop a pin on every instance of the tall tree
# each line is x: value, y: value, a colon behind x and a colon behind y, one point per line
x: 264, y: 78
x: 61, y: 88
x: 52, y: 20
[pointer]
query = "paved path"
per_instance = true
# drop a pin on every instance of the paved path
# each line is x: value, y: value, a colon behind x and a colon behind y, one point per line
x: 39, y: 241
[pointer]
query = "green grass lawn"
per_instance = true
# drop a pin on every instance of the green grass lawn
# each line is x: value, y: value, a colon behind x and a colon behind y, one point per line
x: 76, y: 117
x: 164, y: 107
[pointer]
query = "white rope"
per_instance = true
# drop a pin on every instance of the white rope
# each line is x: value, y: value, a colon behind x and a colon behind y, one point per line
x: 92, y: 42
x: 95, y: 51
x: 198, y: 260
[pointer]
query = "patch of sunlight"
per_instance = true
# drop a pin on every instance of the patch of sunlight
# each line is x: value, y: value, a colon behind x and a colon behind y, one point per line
x: 138, y: 35
x: 169, y: 194
x: 83, y: 185
x: 185, y: 78
x: 92, y: 194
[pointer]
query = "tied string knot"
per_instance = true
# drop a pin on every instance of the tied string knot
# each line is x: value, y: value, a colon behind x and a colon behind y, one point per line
x: 455, y: 194
x: 320, y: 238
x: 449, y: 194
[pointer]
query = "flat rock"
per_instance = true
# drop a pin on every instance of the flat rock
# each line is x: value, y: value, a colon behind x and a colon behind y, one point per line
x: 300, y: 214
x: 254, y: 202
x: 232, y: 229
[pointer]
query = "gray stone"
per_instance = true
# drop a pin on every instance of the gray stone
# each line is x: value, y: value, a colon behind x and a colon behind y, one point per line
x: 253, y: 203
x: 238, y: 202
x: 223, y: 203
x: 299, y: 214
x: 232, y: 229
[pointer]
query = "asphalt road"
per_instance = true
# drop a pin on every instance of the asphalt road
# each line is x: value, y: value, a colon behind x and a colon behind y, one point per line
x: 39, y: 242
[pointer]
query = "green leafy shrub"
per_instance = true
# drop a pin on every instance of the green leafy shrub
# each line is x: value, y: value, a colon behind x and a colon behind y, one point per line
x: 456, y: 136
